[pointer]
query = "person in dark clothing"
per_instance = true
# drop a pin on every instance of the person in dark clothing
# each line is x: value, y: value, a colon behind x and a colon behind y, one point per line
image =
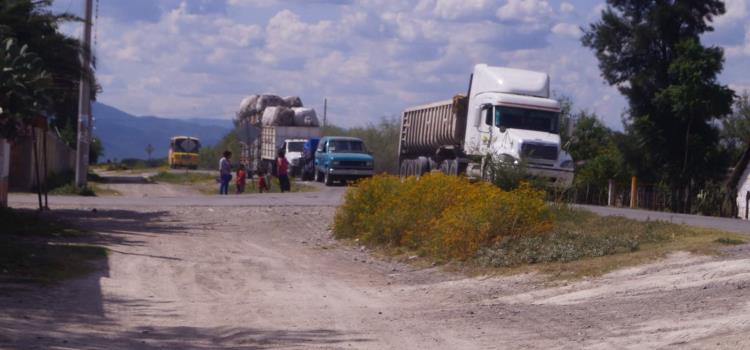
x: 282, y: 171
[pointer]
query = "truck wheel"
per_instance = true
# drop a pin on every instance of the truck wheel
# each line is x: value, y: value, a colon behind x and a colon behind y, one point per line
x: 328, y: 179
x: 404, y: 169
x: 453, y: 167
x: 410, y: 167
x: 422, y: 166
x: 445, y: 167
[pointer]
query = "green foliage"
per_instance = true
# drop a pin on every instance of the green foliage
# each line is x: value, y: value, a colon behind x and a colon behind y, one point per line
x: 381, y: 139
x: 23, y: 88
x: 73, y: 190
x: 183, y: 178
x: 652, y: 52
x: 735, y: 130
x: 32, y: 24
x: 96, y: 150
x: 577, y: 234
x: 210, y: 155
x: 442, y: 216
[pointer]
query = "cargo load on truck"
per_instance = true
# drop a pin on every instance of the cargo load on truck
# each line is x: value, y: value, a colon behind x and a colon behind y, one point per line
x: 278, y: 122
x: 507, y: 116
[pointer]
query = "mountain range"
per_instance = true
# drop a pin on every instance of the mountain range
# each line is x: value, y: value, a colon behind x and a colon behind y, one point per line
x: 124, y: 135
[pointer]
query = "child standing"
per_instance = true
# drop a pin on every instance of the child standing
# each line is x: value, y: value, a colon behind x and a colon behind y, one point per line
x: 241, y: 178
x: 282, y: 171
x: 262, y: 184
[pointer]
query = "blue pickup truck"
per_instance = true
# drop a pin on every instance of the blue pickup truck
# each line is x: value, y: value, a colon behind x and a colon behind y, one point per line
x: 342, y: 159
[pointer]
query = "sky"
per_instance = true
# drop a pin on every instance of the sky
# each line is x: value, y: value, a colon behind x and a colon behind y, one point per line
x: 369, y: 58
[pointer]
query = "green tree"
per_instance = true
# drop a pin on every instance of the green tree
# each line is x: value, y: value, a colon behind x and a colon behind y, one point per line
x: 96, y: 150
x: 23, y: 87
x: 596, y: 150
x: 735, y: 130
x: 31, y: 23
x: 651, y: 51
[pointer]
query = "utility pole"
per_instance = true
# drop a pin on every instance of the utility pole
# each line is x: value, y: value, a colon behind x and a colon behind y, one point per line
x: 325, y: 111
x: 84, y: 104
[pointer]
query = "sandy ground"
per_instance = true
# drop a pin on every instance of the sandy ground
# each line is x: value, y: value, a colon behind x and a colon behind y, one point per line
x: 264, y: 276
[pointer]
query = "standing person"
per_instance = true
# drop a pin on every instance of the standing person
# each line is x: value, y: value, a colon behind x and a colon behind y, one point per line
x: 241, y: 178
x: 225, y: 172
x: 262, y: 184
x: 282, y: 171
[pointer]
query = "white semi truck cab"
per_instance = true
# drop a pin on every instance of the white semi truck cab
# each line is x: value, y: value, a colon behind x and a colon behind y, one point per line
x: 508, y: 115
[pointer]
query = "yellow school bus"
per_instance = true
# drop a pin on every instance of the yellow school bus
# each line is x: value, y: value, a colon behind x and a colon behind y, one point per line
x: 183, y: 152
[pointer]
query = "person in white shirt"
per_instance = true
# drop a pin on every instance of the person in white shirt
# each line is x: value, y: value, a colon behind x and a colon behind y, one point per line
x: 225, y: 173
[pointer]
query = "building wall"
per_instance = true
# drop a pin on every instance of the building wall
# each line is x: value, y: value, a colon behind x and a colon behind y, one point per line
x: 60, y: 158
x: 743, y: 187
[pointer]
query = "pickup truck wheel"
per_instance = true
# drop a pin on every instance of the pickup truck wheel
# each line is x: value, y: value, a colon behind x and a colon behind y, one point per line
x: 328, y: 179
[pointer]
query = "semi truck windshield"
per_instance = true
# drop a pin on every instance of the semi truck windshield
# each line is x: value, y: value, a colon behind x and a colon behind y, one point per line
x: 527, y: 119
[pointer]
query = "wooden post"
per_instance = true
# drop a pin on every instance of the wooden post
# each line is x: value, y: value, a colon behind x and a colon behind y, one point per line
x: 611, y: 193
x: 34, y: 142
x: 4, y: 172
x: 46, y: 173
x: 633, y: 192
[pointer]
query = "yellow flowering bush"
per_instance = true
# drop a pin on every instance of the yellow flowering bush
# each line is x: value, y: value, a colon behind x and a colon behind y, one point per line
x: 442, y: 216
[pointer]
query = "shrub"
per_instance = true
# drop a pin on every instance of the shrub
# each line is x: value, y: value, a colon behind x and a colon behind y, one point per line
x: 446, y: 217
x: 577, y: 234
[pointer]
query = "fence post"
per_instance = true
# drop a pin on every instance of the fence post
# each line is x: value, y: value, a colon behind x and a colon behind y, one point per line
x: 633, y: 192
x: 611, y: 193
x: 4, y: 171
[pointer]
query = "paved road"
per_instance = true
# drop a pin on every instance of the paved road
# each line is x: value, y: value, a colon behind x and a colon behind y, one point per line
x: 726, y: 224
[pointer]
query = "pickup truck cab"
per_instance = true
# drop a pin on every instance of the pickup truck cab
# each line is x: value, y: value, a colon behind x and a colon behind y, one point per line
x: 342, y: 159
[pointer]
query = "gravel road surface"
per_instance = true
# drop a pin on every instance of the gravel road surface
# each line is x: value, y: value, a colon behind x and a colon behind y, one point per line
x: 261, y: 272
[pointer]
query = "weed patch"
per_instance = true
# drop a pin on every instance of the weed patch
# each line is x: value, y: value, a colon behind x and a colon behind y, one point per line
x: 444, y: 217
x: 183, y: 178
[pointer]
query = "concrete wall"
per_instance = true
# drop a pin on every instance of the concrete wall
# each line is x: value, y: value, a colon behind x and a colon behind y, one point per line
x: 743, y: 187
x: 60, y: 158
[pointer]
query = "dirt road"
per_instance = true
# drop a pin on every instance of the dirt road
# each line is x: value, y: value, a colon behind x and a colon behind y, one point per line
x: 264, y: 273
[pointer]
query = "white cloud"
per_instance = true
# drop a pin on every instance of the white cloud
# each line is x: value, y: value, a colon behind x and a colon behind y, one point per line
x: 529, y: 11
x: 566, y: 7
x: 455, y: 9
x: 567, y: 30
x: 736, y: 11
x: 368, y: 57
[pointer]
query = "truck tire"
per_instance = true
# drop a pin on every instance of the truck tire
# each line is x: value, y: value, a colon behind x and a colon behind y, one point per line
x: 328, y: 179
x: 445, y: 167
x: 421, y: 166
x: 403, y: 170
x: 411, y: 168
x: 453, y: 167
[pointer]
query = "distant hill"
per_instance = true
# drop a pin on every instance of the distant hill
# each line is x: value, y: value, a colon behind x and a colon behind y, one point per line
x: 126, y: 136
